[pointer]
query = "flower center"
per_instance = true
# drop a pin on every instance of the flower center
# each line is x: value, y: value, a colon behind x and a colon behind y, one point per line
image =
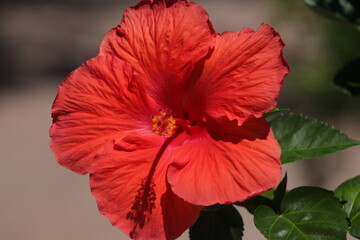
x: 164, y: 124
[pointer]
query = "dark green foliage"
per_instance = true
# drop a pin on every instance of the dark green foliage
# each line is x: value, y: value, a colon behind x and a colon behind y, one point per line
x: 349, y: 195
x: 348, y: 78
x: 274, y: 111
x: 343, y: 10
x: 218, y: 223
x: 305, y: 213
x: 271, y: 198
x: 303, y: 138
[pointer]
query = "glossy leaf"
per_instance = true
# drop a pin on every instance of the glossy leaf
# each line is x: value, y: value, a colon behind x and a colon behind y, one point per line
x: 348, y: 78
x: 280, y: 193
x: 303, y: 138
x: 343, y: 10
x: 349, y: 193
x: 219, y: 222
x: 268, y: 194
x: 275, y: 110
x: 306, y: 213
x: 253, y: 203
x: 271, y: 198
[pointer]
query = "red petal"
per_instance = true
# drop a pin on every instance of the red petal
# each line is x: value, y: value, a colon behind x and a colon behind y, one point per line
x: 162, y: 43
x: 242, y: 77
x: 167, y: 2
x: 96, y: 103
x: 131, y: 190
x: 220, y: 168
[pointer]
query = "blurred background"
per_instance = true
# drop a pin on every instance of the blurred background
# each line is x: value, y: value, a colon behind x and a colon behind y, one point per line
x: 43, y: 41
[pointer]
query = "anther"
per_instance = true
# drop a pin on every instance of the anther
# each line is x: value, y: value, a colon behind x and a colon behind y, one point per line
x: 164, y: 123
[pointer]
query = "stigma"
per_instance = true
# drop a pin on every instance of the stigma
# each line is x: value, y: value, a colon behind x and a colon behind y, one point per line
x: 164, y: 124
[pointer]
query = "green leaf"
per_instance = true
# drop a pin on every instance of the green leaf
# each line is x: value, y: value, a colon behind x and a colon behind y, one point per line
x: 274, y: 111
x: 223, y: 222
x: 348, y: 78
x: 280, y: 193
x: 268, y: 194
x: 342, y: 10
x: 306, y: 213
x: 253, y: 203
x: 349, y: 193
x: 271, y: 198
x: 303, y: 138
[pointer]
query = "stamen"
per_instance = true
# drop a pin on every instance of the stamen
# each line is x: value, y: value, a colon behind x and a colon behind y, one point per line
x: 164, y: 124
x: 144, y: 202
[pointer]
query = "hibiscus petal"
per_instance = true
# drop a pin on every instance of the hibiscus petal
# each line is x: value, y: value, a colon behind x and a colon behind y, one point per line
x: 242, y: 77
x: 167, y: 2
x: 96, y: 103
x: 162, y: 41
x: 131, y: 190
x: 217, y: 167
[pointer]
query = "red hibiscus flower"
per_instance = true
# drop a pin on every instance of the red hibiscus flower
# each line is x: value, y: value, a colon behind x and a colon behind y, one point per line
x: 169, y: 117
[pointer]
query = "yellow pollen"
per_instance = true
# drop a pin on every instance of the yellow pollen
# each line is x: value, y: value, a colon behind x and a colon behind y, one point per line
x: 164, y: 124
